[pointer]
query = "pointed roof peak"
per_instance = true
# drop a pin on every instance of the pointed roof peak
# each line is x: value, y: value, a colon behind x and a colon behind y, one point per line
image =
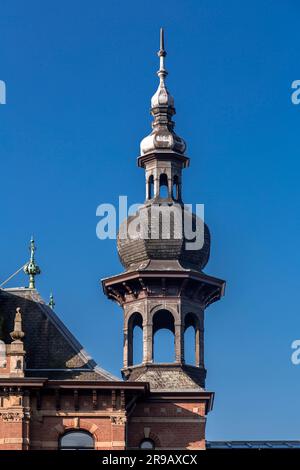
x: 162, y: 72
x: 162, y: 136
x: 162, y: 41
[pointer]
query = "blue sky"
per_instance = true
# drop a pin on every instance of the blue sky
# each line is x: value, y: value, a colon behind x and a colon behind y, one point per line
x: 79, y: 79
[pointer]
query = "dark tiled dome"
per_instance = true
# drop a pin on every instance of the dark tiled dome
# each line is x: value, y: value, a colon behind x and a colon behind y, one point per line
x: 135, y: 250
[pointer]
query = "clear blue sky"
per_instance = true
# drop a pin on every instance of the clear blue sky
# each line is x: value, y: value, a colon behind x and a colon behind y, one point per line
x: 79, y: 79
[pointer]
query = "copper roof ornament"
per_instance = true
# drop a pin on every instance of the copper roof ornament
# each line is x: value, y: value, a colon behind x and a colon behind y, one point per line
x: 51, y: 301
x: 31, y: 268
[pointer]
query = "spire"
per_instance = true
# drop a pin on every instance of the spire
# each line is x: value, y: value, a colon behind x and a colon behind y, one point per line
x: 31, y: 268
x: 162, y: 136
x: 17, y: 334
x: 162, y: 72
x: 162, y: 96
x: 51, y: 301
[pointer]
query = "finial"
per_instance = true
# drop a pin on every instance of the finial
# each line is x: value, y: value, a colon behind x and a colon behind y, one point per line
x: 162, y: 72
x: 162, y: 39
x: 51, y: 301
x: 32, y: 248
x: 163, y: 136
x: 31, y: 268
x: 17, y: 334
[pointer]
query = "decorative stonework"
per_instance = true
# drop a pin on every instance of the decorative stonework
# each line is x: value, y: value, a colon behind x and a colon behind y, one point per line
x: 12, y: 416
x: 118, y: 420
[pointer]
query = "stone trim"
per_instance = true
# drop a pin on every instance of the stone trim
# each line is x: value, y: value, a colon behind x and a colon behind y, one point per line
x: 12, y: 416
x: 169, y: 419
x: 74, y: 414
x: 110, y: 444
x: 98, y: 444
x: 14, y: 440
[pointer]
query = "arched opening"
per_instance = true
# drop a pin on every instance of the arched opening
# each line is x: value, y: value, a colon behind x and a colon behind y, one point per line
x: 76, y: 440
x: 175, y: 188
x: 147, y: 444
x: 163, y: 186
x: 150, y: 187
x: 135, y: 333
x: 191, y: 331
x: 190, y: 346
x: 163, y: 337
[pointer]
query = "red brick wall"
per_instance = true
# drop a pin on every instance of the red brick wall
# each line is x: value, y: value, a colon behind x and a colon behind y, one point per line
x: 171, y: 425
x: 11, y: 435
x: 179, y: 425
x: 107, y: 426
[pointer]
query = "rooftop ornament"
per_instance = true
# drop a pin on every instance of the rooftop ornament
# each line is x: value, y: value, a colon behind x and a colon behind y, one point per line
x: 17, y: 334
x: 51, y: 301
x: 31, y: 268
x: 163, y: 136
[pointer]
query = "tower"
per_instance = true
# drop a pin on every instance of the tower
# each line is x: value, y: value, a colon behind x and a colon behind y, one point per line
x: 163, y: 285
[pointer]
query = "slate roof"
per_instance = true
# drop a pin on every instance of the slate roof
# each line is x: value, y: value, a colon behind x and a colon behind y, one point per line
x: 169, y: 377
x: 51, y: 349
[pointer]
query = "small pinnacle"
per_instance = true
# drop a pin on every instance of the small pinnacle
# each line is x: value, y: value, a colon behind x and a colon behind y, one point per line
x: 51, y: 301
x: 31, y: 268
x: 17, y: 334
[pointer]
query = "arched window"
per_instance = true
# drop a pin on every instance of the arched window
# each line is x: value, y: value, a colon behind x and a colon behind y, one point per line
x: 176, y: 188
x: 191, y: 332
x: 76, y: 440
x: 135, y: 339
x: 150, y: 187
x: 163, y: 337
x: 147, y: 444
x: 163, y: 186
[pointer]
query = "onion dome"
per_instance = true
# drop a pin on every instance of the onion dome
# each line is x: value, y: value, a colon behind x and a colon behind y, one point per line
x: 163, y: 242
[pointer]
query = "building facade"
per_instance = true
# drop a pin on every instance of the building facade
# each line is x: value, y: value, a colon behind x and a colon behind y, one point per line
x: 53, y: 395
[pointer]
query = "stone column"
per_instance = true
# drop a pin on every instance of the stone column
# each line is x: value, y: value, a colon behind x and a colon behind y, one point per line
x: 199, y: 342
x: 170, y: 186
x: 128, y: 347
x: 156, y: 185
x: 179, y: 343
x: 147, y: 343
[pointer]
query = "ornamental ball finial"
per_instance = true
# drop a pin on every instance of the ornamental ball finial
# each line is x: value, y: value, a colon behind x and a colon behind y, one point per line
x: 31, y: 268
